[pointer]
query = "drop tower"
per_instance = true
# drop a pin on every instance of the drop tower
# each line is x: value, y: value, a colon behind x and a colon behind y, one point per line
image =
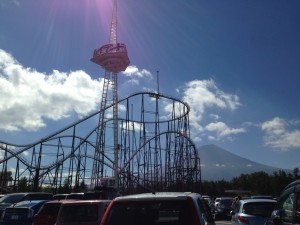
x: 113, y: 58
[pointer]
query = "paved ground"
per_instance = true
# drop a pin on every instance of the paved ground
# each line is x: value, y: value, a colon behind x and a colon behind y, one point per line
x: 223, y: 222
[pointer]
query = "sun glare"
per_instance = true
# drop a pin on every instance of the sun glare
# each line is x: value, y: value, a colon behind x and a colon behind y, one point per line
x: 71, y: 21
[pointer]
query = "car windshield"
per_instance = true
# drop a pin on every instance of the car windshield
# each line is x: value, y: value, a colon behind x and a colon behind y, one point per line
x: 10, y: 199
x: 259, y: 208
x: 51, y: 209
x: 79, y: 213
x: 226, y: 203
x: 26, y: 204
x: 150, y: 212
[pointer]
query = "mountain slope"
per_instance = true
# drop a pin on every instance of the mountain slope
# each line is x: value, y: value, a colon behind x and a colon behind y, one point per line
x: 218, y: 164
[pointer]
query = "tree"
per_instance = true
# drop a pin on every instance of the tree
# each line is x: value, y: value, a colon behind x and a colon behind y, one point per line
x: 296, y: 173
x: 260, y: 183
x: 241, y: 182
x: 5, y: 178
x: 23, y: 185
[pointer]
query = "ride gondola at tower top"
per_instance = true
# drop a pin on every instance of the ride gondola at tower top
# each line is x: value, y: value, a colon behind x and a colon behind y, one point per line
x: 113, y: 57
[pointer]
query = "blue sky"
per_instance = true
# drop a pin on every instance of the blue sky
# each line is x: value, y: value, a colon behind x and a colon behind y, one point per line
x: 236, y: 63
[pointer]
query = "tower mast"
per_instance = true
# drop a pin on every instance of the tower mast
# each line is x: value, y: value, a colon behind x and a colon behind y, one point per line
x: 113, y: 58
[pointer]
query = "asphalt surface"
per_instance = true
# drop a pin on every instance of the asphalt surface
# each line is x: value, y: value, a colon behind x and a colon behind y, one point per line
x: 223, y: 222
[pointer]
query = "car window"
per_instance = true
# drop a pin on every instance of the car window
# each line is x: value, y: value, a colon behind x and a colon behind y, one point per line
x: 74, y: 196
x: 226, y: 203
x: 51, y: 209
x: 38, y: 197
x: 150, y: 212
x: 238, y: 207
x: 259, y: 208
x: 59, y: 196
x: 206, y: 213
x: 298, y: 208
x: 286, y: 206
x: 10, y: 199
x: 79, y: 213
x: 25, y: 204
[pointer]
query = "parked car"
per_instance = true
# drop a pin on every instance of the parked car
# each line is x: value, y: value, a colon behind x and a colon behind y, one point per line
x: 288, y: 207
x: 47, y: 215
x: 89, y: 212
x: 262, y: 196
x: 77, y: 196
x: 216, y: 203
x: 107, y: 194
x: 210, y: 201
x: 68, y: 196
x: 223, y: 208
x: 60, y: 196
x: 161, y: 208
x: 21, y: 213
x: 253, y: 211
x: 10, y: 199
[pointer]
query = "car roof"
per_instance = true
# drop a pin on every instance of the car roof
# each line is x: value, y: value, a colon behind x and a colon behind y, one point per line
x: 243, y: 201
x: 60, y: 195
x: 294, y: 183
x: 27, y: 193
x: 262, y: 196
x: 80, y: 202
x: 157, y: 195
x: 58, y: 201
x: 28, y: 203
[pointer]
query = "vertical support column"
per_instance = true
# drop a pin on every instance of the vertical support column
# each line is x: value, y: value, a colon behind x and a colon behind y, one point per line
x: 37, y: 171
x: 113, y: 29
x: 115, y: 128
x: 98, y: 166
x: 4, y: 174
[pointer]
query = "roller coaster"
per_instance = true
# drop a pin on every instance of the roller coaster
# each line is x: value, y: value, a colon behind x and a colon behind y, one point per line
x: 155, y: 151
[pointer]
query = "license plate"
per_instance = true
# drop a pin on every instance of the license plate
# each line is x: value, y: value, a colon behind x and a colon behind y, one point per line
x: 14, y: 217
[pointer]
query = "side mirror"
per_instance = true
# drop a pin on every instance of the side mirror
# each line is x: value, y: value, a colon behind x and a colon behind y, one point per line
x: 232, y: 212
x: 276, y: 215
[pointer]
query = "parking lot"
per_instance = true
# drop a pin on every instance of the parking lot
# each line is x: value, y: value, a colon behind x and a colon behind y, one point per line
x: 223, y: 222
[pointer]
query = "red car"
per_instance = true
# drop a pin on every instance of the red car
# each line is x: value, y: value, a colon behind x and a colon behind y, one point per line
x: 83, y: 212
x: 47, y: 214
x: 161, y: 208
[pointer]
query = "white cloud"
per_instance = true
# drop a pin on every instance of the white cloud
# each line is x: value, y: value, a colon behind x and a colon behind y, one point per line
x: 215, y: 117
x: 132, y: 126
x: 122, y: 108
x: 279, y: 134
x: 134, y: 74
x: 222, y: 130
x: 133, y: 71
x: 202, y: 96
x: 205, y: 93
x: 25, y: 153
x: 28, y: 97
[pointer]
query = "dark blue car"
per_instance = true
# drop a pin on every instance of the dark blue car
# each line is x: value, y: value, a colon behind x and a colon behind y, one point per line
x: 21, y: 213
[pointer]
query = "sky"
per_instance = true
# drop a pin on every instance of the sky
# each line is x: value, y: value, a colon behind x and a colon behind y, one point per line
x: 236, y: 63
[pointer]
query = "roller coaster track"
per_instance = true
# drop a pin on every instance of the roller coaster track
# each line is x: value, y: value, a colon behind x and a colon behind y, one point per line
x: 156, y: 152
